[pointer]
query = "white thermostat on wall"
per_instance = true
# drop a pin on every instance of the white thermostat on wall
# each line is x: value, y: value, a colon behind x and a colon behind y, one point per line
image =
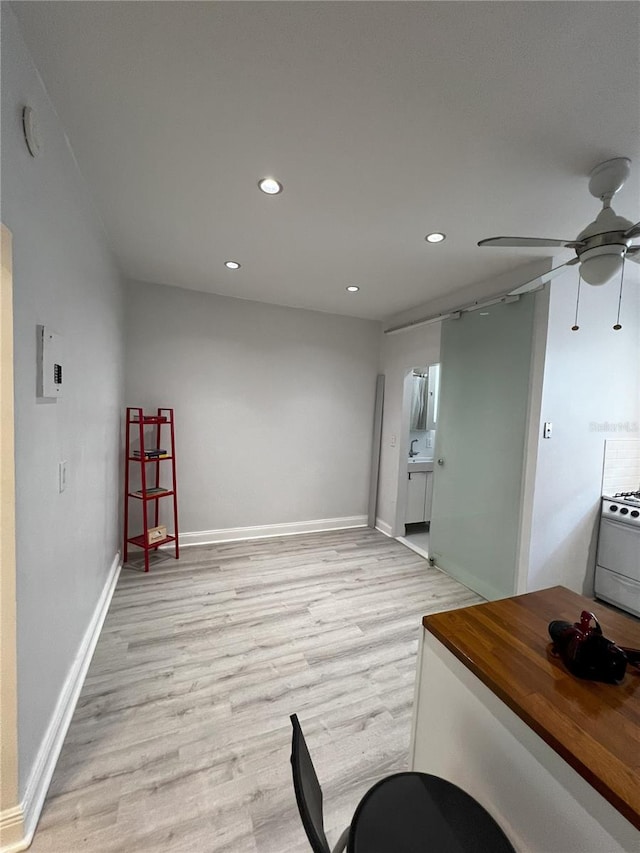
x: 50, y: 374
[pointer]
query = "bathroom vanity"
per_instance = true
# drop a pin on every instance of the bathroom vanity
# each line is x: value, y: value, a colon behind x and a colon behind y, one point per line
x: 419, y: 490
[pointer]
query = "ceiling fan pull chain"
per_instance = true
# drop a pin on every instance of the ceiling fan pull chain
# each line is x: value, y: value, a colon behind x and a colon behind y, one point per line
x: 575, y: 326
x: 617, y: 326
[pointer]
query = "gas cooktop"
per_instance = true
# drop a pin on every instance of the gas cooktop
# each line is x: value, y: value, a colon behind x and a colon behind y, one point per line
x: 624, y: 507
x: 624, y: 497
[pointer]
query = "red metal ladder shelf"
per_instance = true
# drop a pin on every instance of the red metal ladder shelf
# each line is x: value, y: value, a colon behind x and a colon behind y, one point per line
x: 150, y: 492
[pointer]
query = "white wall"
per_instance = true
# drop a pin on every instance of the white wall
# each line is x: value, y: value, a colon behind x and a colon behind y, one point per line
x: 591, y: 380
x: 274, y: 406
x: 399, y: 354
x: 469, y: 293
x: 64, y: 277
x: 621, y: 471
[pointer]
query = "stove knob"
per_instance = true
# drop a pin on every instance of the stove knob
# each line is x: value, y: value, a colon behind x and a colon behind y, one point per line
x: 634, y: 513
x: 613, y: 508
x: 624, y: 510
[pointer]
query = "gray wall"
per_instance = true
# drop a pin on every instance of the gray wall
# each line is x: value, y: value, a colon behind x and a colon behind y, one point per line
x: 274, y: 406
x: 64, y: 277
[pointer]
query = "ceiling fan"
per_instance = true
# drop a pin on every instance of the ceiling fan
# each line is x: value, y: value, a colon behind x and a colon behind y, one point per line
x: 602, y: 247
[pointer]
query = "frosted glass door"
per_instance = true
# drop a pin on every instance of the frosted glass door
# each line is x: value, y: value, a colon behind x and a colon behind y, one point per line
x: 484, y: 389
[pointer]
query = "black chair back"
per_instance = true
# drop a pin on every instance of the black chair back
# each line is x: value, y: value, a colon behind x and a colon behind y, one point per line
x: 308, y: 791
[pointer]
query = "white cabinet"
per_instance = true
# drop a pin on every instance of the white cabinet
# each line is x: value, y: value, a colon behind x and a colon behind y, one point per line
x: 419, y: 495
x: 416, y: 493
x: 512, y: 769
x: 428, y: 498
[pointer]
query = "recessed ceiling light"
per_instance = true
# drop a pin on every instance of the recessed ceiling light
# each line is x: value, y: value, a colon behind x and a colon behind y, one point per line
x: 353, y: 288
x: 436, y: 237
x: 270, y: 186
x: 232, y: 265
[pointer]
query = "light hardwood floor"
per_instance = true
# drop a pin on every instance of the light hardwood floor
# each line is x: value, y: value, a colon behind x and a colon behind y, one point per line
x: 181, y: 738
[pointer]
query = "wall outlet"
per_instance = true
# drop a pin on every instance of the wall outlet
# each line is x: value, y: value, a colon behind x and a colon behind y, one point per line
x: 548, y: 427
x: 393, y: 441
x: 62, y: 476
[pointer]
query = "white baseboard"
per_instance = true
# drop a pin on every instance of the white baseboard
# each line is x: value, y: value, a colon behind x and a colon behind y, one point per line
x: 47, y: 757
x: 235, y: 534
x: 385, y: 528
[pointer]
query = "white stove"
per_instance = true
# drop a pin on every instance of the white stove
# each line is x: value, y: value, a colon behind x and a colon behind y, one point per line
x: 623, y: 507
x: 617, y: 577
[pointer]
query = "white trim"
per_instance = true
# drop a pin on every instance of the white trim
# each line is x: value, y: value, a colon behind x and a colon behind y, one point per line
x: 235, y: 534
x: 405, y: 422
x: 406, y: 541
x: 11, y: 827
x: 47, y: 757
x: 385, y: 528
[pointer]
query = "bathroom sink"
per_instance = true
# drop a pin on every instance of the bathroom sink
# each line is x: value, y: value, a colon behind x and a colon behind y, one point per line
x: 420, y: 463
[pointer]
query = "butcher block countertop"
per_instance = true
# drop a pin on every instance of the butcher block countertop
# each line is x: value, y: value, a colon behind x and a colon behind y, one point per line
x: 595, y: 727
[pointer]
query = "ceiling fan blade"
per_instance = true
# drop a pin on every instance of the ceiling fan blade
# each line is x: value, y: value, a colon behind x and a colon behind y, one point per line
x: 633, y: 254
x: 539, y: 280
x: 533, y: 242
x: 634, y: 231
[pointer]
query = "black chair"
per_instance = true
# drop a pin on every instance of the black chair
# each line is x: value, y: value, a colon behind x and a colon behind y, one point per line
x: 404, y: 813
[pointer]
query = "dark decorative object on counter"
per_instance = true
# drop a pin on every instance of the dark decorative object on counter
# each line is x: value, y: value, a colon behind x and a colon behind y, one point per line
x: 587, y: 653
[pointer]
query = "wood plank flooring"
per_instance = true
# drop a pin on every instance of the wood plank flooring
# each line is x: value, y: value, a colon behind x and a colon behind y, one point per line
x: 181, y: 737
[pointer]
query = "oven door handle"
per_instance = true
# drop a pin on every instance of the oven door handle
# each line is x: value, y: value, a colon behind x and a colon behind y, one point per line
x: 606, y: 519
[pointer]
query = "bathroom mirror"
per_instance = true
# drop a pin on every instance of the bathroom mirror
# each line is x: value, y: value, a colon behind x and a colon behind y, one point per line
x: 419, y: 400
x: 424, y: 401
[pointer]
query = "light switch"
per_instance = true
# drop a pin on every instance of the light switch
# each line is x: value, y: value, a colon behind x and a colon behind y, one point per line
x: 546, y: 432
x: 393, y: 441
x: 62, y: 476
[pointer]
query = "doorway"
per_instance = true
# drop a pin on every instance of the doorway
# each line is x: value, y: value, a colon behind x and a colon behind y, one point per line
x: 415, y: 473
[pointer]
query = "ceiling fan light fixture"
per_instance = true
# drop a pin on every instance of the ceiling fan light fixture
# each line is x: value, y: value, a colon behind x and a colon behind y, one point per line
x: 600, y: 268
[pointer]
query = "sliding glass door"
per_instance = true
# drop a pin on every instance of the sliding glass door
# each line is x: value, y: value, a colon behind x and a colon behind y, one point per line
x: 484, y: 392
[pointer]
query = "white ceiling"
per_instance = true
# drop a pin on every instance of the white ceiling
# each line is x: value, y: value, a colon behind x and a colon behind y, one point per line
x: 384, y: 121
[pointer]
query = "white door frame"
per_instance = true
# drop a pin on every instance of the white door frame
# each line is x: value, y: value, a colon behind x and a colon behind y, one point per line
x: 403, y: 455
x: 11, y: 815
